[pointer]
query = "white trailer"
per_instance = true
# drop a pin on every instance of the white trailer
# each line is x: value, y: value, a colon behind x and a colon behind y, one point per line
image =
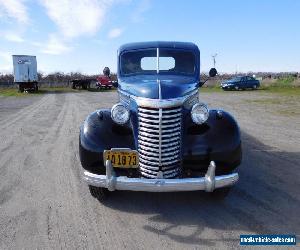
x: 25, y: 72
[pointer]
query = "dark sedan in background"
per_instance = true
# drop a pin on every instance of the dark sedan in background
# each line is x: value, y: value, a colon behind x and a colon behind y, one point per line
x: 240, y: 82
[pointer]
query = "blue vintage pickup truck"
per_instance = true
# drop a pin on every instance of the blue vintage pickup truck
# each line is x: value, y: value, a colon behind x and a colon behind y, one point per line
x: 159, y: 137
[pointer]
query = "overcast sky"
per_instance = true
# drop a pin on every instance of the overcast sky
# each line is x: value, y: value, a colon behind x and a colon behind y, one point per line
x: 84, y: 35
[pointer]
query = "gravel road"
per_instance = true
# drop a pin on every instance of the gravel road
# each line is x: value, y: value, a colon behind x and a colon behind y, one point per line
x: 45, y: 205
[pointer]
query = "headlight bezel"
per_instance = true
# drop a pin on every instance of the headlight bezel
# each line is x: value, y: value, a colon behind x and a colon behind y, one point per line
x: 206, y: 116
x: 113, y: 117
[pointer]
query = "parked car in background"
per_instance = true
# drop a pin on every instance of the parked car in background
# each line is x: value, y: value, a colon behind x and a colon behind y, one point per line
x: 104, y: 82
x: 240, y: 82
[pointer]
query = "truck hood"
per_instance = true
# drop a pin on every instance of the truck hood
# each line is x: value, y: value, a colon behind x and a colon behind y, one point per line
x: 148, y: 87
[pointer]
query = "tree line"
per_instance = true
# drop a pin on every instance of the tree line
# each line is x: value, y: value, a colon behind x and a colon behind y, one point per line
x: 55, y: 77
x: 66, y: 78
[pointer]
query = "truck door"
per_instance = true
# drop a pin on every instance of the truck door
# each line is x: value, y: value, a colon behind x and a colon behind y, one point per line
x: 250, y: 82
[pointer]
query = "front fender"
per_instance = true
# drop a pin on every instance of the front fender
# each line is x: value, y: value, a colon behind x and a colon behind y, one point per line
x: 218, y: 140
x: 98, y: 133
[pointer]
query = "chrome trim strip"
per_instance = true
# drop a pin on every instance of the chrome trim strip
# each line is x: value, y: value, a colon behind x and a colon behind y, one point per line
x: 143, y: 166
x: 154, y: 159
x: 148, y: 116
x: 152, y: 164
x: 149, y: 175
x: 163, y: 126
x: 171, y: 111
x: 165, y: 116
x: 175, y: 147
x: 171, y: 116
x: 157, y: 140
x: 170, y: 162
x: 147, y: 120
x: 165, y: 150
x: 170, y: 144
x: 149, y: 130
x: 156, y: 103
x: 208, y: 183
x: 144, y: 110
x: 159, y: 121
x: 149, y: 144
x: 149, y: 171
x: 148, y: 111
x: 173, y: 120
x: 156, y: 154
x: 157, y: 146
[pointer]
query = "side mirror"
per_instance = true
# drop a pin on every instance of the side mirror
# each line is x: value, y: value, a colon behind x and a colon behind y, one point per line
x: 213, y: 72
x: 115, y: 84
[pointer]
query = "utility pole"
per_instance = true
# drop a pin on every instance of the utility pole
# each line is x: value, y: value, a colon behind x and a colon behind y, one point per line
x: 214, y: 59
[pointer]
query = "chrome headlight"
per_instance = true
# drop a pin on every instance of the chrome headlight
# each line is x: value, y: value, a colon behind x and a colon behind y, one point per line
x: 119, y: 113
x: 199, y: 113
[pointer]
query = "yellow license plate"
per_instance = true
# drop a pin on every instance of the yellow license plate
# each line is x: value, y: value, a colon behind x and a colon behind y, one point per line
x: 122, y: 158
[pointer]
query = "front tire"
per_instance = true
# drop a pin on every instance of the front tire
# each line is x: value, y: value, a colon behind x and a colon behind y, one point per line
x: 254, y: 87
x: 101, y: 194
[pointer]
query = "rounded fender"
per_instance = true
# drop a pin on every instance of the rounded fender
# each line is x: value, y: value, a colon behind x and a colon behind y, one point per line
x: 98, y: 133
x: 218, y: 139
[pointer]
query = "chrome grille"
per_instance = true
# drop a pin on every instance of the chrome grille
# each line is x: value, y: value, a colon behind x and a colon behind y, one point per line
x: 159, y: 141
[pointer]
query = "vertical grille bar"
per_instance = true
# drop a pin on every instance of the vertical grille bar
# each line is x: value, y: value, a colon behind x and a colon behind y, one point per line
x: 160, y: 135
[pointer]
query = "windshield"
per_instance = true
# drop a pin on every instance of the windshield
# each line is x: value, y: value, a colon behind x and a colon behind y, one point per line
x: 170, y: 61
x: 236, y: 79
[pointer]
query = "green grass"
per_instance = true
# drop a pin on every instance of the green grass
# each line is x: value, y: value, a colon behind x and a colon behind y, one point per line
x: 287, y: 91
x: 10, y: 92
x: 285, y: 81
x: 211, y: 89
x: 279, y: 100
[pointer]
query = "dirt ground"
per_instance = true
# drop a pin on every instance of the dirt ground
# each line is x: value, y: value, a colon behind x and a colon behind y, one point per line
x: 44, y: 204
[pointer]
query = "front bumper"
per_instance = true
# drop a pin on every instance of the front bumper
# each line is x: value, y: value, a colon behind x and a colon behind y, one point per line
x: 208, y: 183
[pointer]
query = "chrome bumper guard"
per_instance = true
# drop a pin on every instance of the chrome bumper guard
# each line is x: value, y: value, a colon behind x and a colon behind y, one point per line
x: 209, y: 182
